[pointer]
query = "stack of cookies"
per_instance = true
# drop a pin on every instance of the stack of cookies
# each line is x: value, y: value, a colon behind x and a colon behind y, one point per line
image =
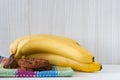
x: 28, y: 64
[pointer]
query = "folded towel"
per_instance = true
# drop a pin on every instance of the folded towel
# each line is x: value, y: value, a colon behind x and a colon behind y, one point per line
x: 55, y: 72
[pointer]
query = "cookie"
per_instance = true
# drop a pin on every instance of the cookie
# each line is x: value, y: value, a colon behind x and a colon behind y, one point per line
x: 9, y: 63
x: 33, y: 64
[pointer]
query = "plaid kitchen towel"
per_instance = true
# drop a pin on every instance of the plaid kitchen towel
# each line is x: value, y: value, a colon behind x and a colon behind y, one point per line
x: 56, y: 71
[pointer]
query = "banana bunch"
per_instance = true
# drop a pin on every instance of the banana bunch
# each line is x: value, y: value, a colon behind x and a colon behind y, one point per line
x: 58, y: 50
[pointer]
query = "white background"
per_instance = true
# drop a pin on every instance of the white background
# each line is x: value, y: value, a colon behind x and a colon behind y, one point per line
x: 95, y: 24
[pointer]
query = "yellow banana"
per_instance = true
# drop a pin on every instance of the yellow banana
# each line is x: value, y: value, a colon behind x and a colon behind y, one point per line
x: 66, y: 62
x: 68, y: 41
x: 58, y: 50
x: 40, y: 44
x: 14, y: 44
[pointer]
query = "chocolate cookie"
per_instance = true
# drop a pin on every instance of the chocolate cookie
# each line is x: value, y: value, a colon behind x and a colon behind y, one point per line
x: 33, y: 64
x: 9, y: 63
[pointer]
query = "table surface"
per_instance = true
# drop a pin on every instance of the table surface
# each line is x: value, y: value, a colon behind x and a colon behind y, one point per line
x: 109, y: 72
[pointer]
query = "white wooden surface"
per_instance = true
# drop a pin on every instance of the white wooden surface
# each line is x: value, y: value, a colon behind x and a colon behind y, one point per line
x: 109, y: 72
x: 95, y: 24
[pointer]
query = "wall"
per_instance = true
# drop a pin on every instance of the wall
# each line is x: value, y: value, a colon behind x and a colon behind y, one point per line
x: 95, y: 24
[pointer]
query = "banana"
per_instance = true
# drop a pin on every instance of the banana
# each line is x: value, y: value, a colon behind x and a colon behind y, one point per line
x: 14, y: 44
x: 66, y: 62
x: 40, y: 44
x: 58, y: 50
x: 70, y: 42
